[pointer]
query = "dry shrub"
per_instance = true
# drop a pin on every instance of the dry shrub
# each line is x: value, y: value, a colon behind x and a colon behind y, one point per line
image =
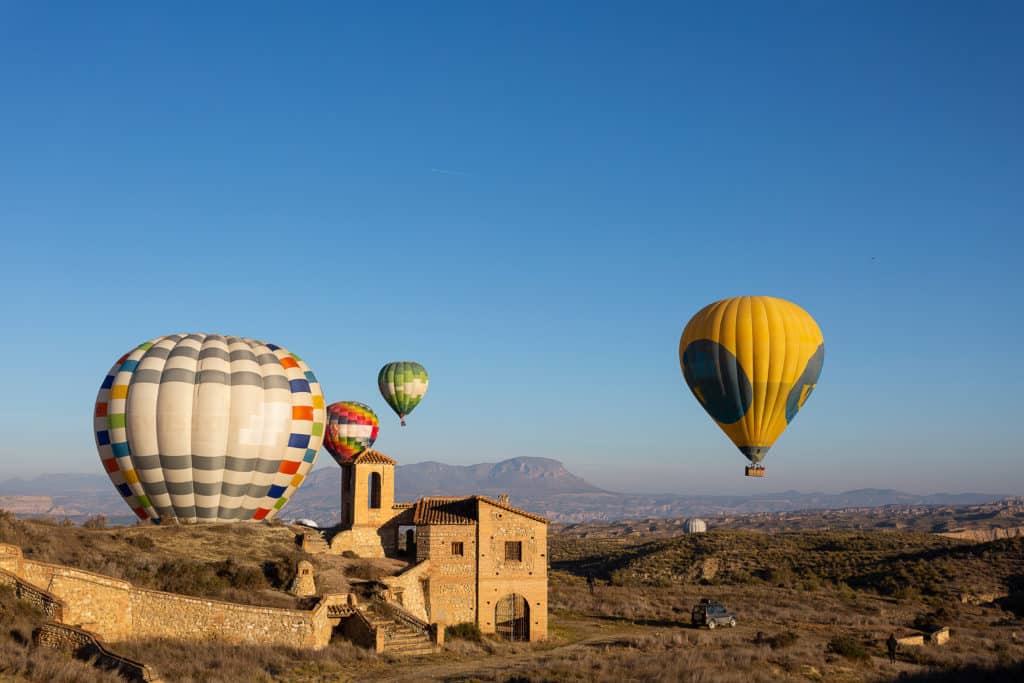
x: 21, y: 660
x: 782, y: 640
x: 466, y: 630
x: 848, y: 647
x: 95, y: 522
x: 214, y: 661
x: 367, y: 569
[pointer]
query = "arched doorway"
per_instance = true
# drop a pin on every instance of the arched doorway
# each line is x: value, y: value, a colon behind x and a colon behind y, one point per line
x: 512, y: 618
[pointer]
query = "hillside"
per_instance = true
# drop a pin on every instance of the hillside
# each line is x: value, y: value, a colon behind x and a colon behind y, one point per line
x: 812, y: 604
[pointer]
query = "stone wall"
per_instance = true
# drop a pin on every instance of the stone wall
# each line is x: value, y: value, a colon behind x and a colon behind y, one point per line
x: 92, y: 601
x: 451, y: 588
x: 83, y: 645
x: 363, y: 541
x: 116, y: 610
x: 44, y: 601
x: 360, y: 631
x: 499, y: 577
x: 407, y: 587
x: 10, y: 559
x: 355, y: 494
x: 166, y: 615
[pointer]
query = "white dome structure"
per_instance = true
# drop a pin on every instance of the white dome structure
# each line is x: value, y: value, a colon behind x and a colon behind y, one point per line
x: 695, y: 526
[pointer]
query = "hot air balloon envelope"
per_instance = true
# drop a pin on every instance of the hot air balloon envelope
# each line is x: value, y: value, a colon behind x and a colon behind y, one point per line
x: 402, y: 384
x: 204, y: 427
x: 351, y: 428
x: 752, y: 362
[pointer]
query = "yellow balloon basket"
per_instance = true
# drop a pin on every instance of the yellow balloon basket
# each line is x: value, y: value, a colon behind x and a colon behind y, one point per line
x: 754, y: 471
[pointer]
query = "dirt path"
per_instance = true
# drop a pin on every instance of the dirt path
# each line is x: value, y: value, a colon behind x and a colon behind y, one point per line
x: 430, y: 670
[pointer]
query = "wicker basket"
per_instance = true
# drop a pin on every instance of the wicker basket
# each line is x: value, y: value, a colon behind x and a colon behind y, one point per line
x: 754, y: 471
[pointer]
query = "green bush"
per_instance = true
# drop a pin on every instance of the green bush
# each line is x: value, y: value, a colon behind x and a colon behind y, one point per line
x: 846, y: 646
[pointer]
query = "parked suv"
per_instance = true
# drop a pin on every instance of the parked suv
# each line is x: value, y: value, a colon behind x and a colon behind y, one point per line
x: 711, y: 614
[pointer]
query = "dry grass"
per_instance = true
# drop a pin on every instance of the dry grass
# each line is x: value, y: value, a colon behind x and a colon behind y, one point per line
x: 218, y: 662
x: 794, y: 594
x: 20, y: 660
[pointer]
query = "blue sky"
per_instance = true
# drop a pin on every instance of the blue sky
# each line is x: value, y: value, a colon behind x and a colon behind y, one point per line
x: 531, y: 201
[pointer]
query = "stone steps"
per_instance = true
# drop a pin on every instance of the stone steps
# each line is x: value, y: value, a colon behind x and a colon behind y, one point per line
x: 401, y: 638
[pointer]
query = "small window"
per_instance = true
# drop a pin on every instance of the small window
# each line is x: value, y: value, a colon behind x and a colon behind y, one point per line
x: 457, y: 548
x: 513, y: 551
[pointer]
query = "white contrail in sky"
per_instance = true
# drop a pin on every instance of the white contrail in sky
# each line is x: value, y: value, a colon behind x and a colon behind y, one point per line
x: 444, y: 171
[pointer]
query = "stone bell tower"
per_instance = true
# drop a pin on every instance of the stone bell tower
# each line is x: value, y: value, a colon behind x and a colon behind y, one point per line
x: 367, y: 499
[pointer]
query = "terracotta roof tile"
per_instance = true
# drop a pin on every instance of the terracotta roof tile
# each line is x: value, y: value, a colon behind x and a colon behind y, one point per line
x: 451, y: 510
x: 374, y: 458
x: 445, y: 511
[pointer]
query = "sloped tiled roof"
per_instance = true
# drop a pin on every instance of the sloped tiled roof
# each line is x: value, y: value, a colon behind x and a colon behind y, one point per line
x: 445, y: 510
x: 373, y: 457
x: 449, y: 510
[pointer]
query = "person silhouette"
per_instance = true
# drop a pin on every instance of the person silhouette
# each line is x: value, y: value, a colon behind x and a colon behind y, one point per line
x: 892, y: 645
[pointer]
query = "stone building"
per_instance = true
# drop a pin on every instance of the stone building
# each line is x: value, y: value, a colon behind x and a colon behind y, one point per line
x: 474, y: 559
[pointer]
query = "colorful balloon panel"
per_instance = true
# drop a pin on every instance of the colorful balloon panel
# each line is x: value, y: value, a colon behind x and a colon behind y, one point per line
x: 351, y: 428
x: 204, y: 427
x: 752, y: 362
x: 402, y: 384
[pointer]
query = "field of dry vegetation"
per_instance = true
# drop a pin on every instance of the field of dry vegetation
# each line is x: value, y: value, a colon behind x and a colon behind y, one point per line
x: 812, y: 605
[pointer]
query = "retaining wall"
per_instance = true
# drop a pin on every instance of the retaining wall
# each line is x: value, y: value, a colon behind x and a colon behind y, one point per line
x: 83, y: 645
x: 116, y: 610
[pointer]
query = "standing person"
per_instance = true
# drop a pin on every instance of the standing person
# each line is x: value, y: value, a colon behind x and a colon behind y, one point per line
x: 590, y: 582
x: 891, y: 645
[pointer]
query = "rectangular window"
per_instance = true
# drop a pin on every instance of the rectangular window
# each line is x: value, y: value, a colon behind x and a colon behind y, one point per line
x: 457, y: 548
x: 513, y: 551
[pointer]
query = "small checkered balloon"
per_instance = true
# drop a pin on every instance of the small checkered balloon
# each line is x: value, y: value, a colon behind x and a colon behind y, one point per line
x: 208, y: 428
x: 351, y: 429
x: 402, y: 384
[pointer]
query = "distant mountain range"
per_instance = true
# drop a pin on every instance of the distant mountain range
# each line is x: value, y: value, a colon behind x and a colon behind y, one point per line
x: 539, y: 485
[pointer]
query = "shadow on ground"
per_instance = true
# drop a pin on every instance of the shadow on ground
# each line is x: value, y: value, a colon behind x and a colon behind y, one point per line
x: 1010, y: 673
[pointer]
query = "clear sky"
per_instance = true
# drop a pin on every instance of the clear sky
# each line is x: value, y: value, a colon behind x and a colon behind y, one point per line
x: 531, y: 199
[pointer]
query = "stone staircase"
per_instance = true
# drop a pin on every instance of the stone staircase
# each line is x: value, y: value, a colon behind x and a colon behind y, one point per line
x: 400, y: 638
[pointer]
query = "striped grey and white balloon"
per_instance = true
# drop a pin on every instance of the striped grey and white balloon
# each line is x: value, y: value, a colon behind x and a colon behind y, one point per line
x: 204, y: 427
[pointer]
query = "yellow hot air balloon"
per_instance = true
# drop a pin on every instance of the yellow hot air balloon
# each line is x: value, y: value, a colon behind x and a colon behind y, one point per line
x: 752, y: 362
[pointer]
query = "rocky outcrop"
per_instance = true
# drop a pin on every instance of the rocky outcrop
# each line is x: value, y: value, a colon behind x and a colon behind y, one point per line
x: 985, y: 535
